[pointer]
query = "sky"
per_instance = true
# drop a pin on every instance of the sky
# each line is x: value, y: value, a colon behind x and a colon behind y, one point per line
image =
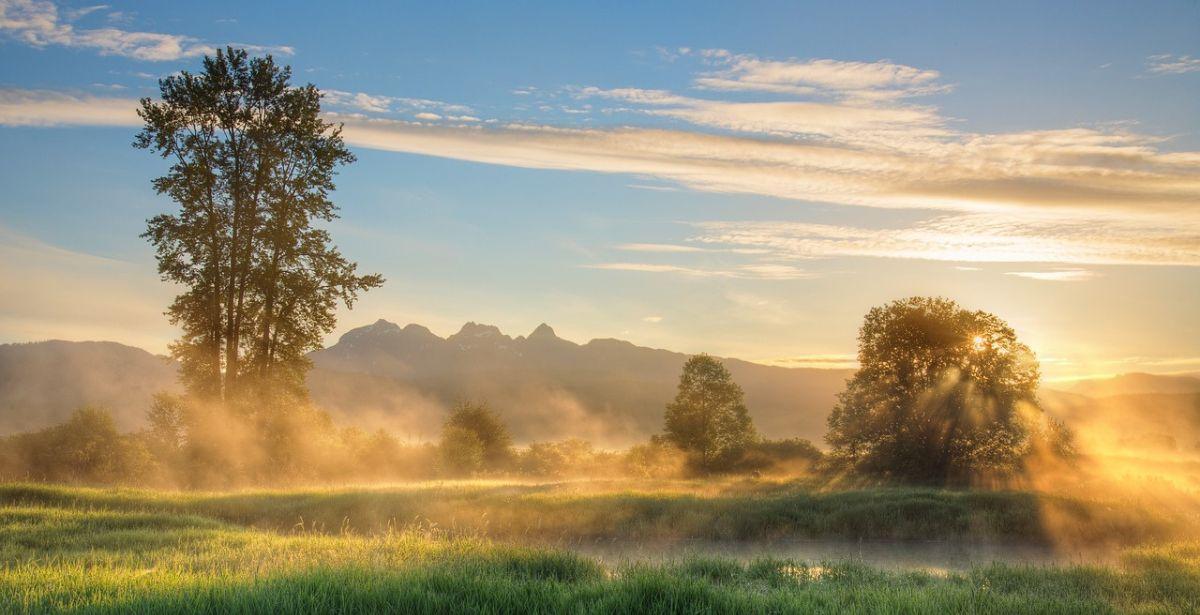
x: 744, y: 179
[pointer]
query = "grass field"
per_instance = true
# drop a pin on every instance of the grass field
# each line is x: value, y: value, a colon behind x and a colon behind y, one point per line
x: 652, y: 510
x: 449, y: 548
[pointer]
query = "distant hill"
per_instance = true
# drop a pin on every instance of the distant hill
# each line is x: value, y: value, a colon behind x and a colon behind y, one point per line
x: 42, y: 383
x: 1136, y: 384
x: 609, y: 391
x: 404, y: 379
x: 1166, y: 423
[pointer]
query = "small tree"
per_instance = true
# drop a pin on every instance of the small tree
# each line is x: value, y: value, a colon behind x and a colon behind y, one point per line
x: 485, y: 427
x: 461, y: 451
x: 167, y: 430
x: 942, y: 395
x: 708, y: 419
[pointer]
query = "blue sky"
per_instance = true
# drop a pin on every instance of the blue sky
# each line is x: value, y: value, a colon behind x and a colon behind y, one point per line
x: 745, y: 180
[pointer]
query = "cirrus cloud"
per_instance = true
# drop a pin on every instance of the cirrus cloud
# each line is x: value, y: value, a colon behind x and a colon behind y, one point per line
x: 976, y: 237
x: 1075, y: 195
x: 38, y: 23
x: 761, y: 271
x: 879, y: 80
x: 1081, y: 169
x: 1060, y: 275
x: 51, y: 108
x: 1167, y: 64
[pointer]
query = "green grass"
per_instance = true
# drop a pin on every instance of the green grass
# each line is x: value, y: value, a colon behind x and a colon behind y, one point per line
x: 659, y: 511
x: 117, y: 551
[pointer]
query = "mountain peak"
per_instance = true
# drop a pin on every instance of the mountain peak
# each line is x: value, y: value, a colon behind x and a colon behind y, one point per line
x: 380, y: 328
x: 476, y: 330
x: 414, y: 328
x: 543, y: 331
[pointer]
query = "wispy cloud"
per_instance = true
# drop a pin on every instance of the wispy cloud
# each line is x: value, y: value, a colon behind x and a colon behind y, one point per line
x: 763, y: 271
x: 84, y: 11
x: 1076, y: 168
x: 652, y: 319
x: 1041, y: 237
x: 878, y: 154
x: 1077, y: 196
x: 1167, y: 64
x: 880, y: 80
x: 817, y: 361
x: 48, y: 108
x: 1061, y: 275
x: 849, y: 122
x: 358, y: 100
x: 423, y: 108
x: 653, y: 188
x: 38, y: 23
x: 658, y: 247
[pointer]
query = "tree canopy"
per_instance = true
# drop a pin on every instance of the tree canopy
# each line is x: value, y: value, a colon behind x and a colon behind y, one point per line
x: 252, y: 166
x: 942, y: 394
x: 708, y: 418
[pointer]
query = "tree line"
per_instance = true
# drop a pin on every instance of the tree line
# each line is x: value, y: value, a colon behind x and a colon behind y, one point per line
x: 943, y: 395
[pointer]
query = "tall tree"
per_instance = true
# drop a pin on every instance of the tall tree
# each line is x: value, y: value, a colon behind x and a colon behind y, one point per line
x: 942, y: 395
x: 252, y: 172
x: 708, y: 418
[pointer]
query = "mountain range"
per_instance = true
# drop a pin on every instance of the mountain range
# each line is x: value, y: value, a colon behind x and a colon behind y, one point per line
x: 608, y: 391
x: 404, y: 379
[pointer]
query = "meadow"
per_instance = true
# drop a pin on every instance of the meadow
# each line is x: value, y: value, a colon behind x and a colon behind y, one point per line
x: 500, y: 546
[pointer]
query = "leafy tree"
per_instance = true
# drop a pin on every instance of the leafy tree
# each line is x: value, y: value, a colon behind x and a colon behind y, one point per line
x: 942, y: 395
x: 482, y: 422
x: 461, y: 450
x: 708, y: 418
x: 252, y: 166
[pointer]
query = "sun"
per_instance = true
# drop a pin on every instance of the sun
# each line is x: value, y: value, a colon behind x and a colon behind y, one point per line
x: 978, y: 343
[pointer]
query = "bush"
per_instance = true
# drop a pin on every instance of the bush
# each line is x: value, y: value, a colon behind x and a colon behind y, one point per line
x: 789, y: 456
x: 573, y: 457
x: 658, y: 459
x: 86, y: 449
